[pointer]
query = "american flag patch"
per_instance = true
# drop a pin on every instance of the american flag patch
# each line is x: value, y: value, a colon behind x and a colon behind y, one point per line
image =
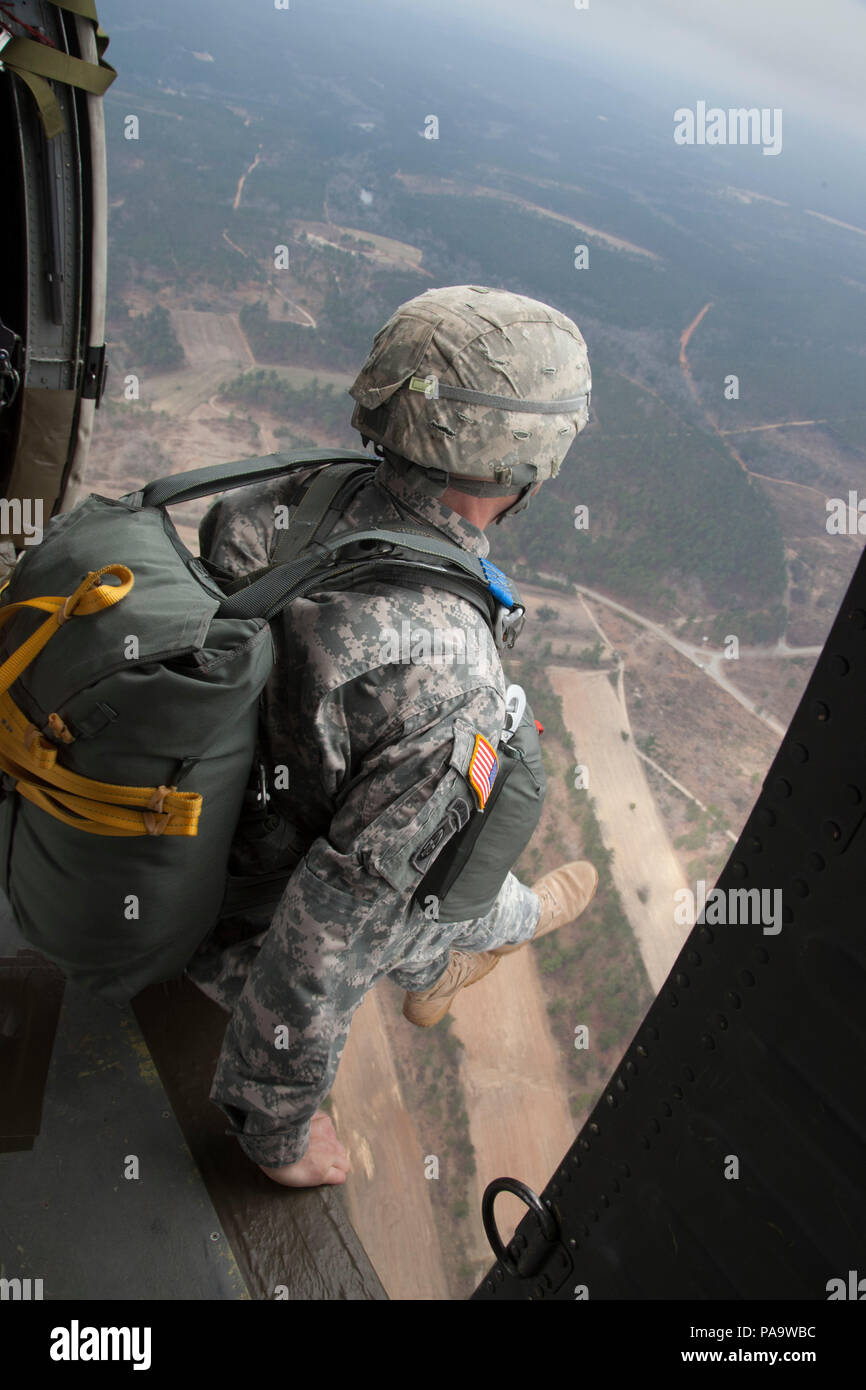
x: 483, y: 767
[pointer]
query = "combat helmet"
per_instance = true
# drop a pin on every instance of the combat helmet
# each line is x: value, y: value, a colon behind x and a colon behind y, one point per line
x: 481, y: 388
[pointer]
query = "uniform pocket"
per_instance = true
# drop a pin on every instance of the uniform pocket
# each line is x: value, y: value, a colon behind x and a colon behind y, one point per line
x: 390, y: 845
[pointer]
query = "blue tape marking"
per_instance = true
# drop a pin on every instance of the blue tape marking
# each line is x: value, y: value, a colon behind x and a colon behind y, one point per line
x: 498, y: 583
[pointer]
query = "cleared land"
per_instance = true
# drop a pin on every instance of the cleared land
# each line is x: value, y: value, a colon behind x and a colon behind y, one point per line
x: 423, y: 183
x: 644, y: 858
x: 386, y: 1193
x: 516, y: 1089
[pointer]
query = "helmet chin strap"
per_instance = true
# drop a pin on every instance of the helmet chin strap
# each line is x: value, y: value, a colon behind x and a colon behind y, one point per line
x: 473, y: 487
x: 518, y: 505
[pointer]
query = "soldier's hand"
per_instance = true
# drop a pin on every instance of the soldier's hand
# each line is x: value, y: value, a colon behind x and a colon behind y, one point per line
x: 326, y: 1161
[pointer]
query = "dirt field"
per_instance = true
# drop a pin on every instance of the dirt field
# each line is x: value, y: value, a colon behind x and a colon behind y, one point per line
x: 516, y: 1089
x: 387, y: 1195
x: 644, y: 858
x: 383, y: 250
x: 211, y: 338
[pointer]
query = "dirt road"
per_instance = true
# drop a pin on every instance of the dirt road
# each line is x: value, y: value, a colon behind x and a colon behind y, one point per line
x: 387, y: 1195
x: 516, y: 1089
x: 644, y: 863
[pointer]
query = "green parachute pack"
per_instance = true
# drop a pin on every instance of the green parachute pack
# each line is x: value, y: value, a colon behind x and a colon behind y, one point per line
x: 129, y: 695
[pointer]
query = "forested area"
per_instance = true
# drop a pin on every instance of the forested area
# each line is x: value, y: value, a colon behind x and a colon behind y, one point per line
x: 665, y: 503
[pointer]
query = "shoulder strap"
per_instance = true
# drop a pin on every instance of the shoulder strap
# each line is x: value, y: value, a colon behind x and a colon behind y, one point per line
x: 404, y: 551
x: 328, y: 491
x: 200, y: 482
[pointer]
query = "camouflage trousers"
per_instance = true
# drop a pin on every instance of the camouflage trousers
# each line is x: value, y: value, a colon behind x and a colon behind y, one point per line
x: 221, y: 965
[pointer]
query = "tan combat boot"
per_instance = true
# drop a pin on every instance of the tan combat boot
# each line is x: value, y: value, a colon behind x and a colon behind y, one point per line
x: 464, y: 968
x: 565, y: 893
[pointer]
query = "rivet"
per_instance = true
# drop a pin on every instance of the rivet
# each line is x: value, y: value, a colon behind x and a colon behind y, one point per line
x: 734, y: 999
x: 766, y: 816
x: 820, y: 711
x: 738, y: 868
x: 782, y: 787
x: 853, y: 795
x: 755, y: 845
x: 800, y: 887
x: 839, y: 666
x: 665, y: 1108
x: 831, y: 830
x: 787, y: 913
x: 746, y: 977
x: 693, y: 958
x: 641, y: 1050
x: 688, y: 1073
x: 857, y: 618
x: 673, y: 1000
x: 816, y: 860
x: 682, y: 979
x: 677, y: 1092
x: 761, y: 954
x: 594, y: 1128
x: 708, y: 1041
x: 800, y: 753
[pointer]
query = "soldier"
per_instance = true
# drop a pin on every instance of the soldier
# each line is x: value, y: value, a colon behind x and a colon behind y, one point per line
x: 471, y: 397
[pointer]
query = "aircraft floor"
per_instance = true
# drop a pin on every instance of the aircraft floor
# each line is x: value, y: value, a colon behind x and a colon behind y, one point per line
x: 129, y: 1187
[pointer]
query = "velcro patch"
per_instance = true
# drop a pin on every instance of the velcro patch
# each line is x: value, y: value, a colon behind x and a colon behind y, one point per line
x: 482, y: 770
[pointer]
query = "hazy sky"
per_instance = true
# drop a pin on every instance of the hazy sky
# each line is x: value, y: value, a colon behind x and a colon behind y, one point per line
x: 809, y: 55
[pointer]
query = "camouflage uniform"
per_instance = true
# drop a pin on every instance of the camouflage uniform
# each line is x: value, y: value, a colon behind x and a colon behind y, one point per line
x: 471, y: 383
x: 376, y: 751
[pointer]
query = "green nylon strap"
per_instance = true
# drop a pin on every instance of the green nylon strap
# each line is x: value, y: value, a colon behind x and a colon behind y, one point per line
x: 25, y: 55
x: 200, y: 482
x: 85, y: 8
x: 313, y: 508
x: 266, y: 595
x: 46, y: 102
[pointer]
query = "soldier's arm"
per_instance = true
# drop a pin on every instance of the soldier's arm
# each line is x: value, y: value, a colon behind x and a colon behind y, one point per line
x: 345, y: 919
x: 237, y: 531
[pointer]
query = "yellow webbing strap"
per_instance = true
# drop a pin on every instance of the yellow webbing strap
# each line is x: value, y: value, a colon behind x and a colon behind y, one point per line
x: 100, y: 808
